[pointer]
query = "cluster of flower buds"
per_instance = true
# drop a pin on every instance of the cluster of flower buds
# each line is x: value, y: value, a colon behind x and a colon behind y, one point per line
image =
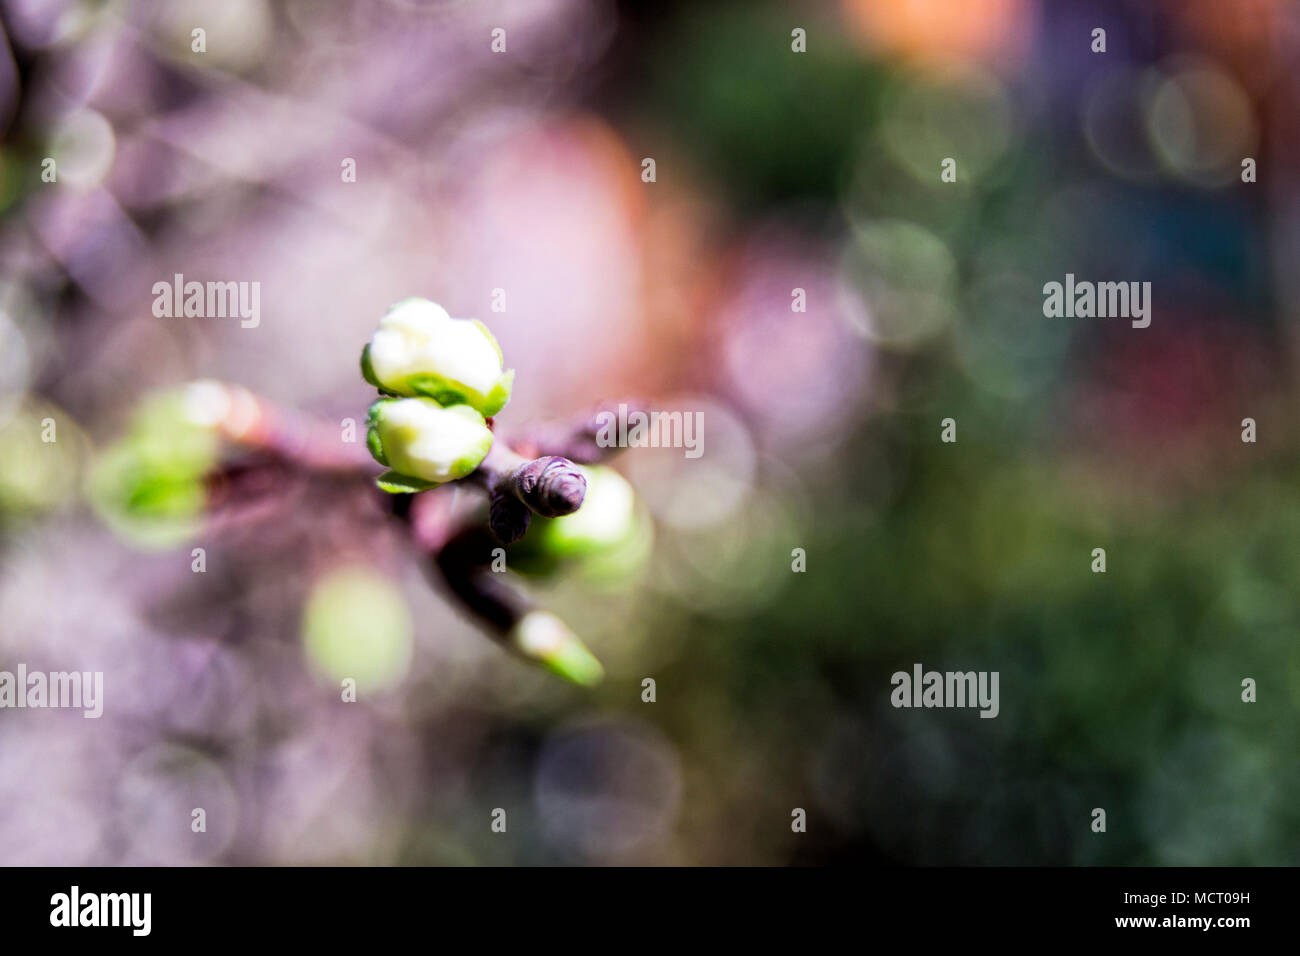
x: 441, y: 379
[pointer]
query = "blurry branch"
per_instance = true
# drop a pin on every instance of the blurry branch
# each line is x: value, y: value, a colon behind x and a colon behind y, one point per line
x: 465, y: 565
x: 282, y: 452
x: 464, y: 562
x: 243, y: 491
x: 575, y: 440
x: 252, y: 422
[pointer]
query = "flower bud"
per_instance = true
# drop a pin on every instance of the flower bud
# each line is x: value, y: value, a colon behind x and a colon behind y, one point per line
x: 419, y: 438
x: 420, y: 350
x: 552, y: 486
x: 543, y: 637
x: 606, y: 518
x: 609, y: 537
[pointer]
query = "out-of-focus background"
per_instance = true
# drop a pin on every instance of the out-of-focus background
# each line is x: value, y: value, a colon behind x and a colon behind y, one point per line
x: 775, y: 170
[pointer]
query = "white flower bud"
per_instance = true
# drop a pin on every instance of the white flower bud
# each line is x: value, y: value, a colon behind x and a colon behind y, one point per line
x: 421, y: 439
x: 420, y: 350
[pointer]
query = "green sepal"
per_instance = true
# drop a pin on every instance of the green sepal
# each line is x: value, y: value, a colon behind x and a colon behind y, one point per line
x: 500, y: 394
x: 443, y: 391
x: 448, y: 393
x: 375, y: 445
x: 372, y: 413
x: 397, y: 484
x: 372, y: 431
x: 367, y: 371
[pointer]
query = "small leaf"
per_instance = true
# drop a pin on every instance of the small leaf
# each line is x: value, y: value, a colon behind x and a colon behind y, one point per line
x: 398, y: 484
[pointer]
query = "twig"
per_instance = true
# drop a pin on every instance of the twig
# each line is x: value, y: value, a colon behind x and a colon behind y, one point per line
x: 578, y: 439
x: 253, y: 422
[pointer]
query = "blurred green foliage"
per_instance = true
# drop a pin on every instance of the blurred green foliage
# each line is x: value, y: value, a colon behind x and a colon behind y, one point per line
x: 764, y: 125
x: 149, y: 484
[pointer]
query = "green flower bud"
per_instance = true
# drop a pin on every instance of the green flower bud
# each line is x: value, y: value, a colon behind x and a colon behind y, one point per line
x: 419, y: 350
x: 418, y: 438
x: 543, y: 637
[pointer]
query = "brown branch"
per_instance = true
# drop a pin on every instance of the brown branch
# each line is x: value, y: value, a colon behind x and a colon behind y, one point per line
x: 576, y: 440
x: 464, y: 562
x: 253, y: 422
